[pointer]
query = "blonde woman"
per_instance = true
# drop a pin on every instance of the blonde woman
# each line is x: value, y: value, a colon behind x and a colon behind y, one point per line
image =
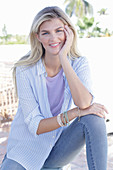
x: 48, y: 79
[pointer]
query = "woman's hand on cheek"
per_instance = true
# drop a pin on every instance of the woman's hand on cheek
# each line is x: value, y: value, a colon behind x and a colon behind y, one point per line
x: 68, y: 42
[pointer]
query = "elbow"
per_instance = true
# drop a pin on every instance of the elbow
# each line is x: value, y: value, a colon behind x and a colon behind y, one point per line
x: 82, y: 105
x: 37, y: 133
x: 85, y: 104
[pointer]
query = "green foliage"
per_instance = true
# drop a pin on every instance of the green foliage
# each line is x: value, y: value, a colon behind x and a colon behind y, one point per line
x: 12, y: 39
x: 4, y: 31
x: 86, y: 27
x: 69, y: 8
x: 85, y: 23
x: 79, y: 10
x: 78, y: 7
x: 5, y: 36
x: 103, y: 11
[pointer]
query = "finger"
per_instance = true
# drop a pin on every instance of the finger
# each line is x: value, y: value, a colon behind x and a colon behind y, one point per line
x: 102, y: 112
x: 99, y: 110
x: 100, y: 115
x: 70, y: 32
x: 102, y: 107
x: 66, y: 32
x: 67, y: 28
x: 67, y: 37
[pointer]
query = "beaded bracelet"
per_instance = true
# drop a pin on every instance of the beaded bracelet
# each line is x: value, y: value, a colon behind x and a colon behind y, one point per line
x: 59, y: 120
x: 66, y: 117
x: 78, y: 114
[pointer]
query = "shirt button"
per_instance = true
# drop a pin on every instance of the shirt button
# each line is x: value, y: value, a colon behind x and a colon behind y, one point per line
x: 53, y: 137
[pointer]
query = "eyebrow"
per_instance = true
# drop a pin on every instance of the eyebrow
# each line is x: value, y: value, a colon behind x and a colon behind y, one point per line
x: 48, y: 31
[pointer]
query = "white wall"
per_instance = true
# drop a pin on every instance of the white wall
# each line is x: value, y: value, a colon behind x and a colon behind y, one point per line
x: 100, y: 55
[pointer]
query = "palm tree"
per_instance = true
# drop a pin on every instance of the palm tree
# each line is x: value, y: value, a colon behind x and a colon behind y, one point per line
x: 103, y: 11
x: 78, y: 7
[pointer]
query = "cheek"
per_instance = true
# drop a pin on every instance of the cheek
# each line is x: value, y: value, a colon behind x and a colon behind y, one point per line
x: 44, y: 41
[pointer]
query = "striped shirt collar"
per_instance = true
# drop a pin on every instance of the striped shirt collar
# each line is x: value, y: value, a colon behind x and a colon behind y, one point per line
x: 41, y: 68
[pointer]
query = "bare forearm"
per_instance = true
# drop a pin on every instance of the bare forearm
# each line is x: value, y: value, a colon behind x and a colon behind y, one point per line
x: 81, y: 96
x: 50, y: 124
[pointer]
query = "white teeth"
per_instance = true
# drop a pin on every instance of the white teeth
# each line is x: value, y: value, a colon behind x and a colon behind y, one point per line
x: 54, y: 44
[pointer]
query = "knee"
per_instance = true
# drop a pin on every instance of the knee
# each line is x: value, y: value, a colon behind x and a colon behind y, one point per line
x: 94, y: 123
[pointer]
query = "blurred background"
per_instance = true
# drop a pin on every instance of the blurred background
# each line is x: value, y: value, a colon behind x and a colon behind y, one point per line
x: 93, y: 21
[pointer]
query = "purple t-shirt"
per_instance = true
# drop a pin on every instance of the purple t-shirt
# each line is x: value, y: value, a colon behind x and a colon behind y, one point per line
x: 55, y: 88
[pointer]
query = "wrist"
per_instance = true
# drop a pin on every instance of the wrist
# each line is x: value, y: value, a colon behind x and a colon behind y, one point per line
x: 62, y: 56
x: 79, y: 113
x: 63, y: 60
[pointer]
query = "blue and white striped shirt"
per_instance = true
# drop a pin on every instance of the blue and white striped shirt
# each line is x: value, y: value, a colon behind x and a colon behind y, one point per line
x: 24, y: 145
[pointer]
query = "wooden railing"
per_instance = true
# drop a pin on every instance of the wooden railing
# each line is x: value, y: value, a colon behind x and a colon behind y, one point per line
x: 8, y: 100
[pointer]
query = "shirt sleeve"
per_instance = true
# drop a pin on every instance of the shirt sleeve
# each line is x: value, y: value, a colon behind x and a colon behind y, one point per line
x: 27, y: 101
x: 82, y: 69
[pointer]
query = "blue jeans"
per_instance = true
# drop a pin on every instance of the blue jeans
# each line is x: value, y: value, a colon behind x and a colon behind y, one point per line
x: 90, y: 130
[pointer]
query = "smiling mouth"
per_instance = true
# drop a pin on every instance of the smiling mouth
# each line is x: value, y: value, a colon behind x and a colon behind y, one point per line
x: 54, y: 45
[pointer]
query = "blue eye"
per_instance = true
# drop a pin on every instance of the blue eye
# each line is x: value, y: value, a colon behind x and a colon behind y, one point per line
x: 45, y: 33
x: 59, y: 30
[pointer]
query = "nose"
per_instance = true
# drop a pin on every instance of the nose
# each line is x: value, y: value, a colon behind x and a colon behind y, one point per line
x: 53, y: 37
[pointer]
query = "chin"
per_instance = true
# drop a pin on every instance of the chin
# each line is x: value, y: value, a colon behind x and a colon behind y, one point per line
x: 55, y: 52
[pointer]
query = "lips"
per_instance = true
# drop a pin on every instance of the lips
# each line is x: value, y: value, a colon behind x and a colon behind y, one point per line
x: 54, y: 44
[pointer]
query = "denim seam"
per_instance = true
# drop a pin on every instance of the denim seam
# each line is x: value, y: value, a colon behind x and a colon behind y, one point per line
x: 90, y: 146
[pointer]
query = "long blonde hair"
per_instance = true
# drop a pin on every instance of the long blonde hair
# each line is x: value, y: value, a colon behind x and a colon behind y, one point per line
x: 37, y: 50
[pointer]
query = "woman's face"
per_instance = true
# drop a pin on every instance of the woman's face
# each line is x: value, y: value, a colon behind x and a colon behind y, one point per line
x: 52, y: 36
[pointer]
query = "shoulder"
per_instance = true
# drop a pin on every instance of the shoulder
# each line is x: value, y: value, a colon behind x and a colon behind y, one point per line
x: 79, y: 62
x: 25, y: 70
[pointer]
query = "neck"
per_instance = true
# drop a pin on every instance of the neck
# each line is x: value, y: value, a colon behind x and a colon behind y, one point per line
x: 52, y: 64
